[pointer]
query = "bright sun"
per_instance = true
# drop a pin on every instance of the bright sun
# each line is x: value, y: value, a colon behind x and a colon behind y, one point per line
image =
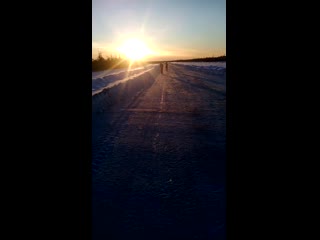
x: 134, y: 49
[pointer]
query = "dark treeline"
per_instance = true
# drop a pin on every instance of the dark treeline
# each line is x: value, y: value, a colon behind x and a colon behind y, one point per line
x: 206, y: 59
x: 100, y: 63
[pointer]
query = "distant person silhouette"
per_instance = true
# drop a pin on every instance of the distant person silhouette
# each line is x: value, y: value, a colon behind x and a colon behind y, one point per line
x: 167, y: 66
x: 161, y: 68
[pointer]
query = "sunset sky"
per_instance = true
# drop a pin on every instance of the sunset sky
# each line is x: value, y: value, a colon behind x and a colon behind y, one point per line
x: 169, y: 29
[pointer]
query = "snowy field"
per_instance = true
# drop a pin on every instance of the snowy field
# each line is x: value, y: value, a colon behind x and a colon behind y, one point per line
x: 203, y: 64
x: 218, y: 68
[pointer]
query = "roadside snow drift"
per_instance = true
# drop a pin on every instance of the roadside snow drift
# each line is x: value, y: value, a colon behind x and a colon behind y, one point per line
x: 109, y: 78
x: 113, y: 90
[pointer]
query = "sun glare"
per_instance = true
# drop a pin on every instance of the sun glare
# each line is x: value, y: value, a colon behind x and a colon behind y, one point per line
x: 134, y: 49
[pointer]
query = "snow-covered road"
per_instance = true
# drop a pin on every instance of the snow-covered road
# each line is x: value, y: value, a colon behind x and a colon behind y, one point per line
x: 158, y: 158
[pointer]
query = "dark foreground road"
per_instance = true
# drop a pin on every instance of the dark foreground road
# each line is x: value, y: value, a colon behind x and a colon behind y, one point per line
x: 158, y: 162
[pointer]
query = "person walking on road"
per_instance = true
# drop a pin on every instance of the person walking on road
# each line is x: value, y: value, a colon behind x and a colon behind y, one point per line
x: 161, y: 68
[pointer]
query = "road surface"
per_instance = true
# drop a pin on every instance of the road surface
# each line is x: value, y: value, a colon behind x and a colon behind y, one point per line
x: 158, y: 161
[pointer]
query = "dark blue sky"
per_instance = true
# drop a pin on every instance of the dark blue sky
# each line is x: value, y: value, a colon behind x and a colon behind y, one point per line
x: 171, y: 28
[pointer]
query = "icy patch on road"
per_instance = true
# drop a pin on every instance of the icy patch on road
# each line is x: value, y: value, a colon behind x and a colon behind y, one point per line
x: 214, y: 68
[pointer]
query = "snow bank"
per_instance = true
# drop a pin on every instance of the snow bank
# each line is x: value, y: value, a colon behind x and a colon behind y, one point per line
x: 104, y: 73
x: 123, y: 90
x: 102, y: 79
x: 203, y: 64
x: 214, y: 68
